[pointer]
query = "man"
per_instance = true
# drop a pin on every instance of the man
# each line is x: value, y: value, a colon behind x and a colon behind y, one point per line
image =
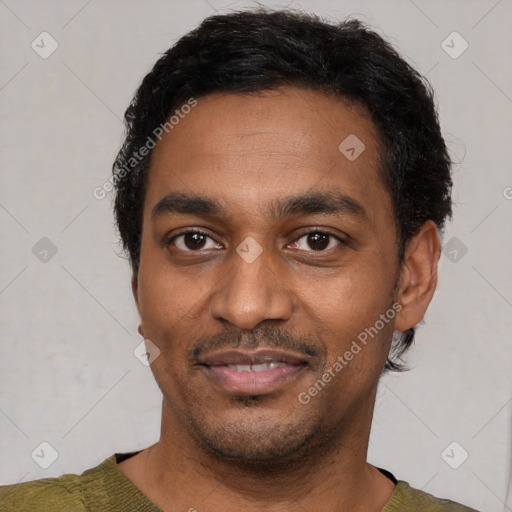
x: 279, y: 193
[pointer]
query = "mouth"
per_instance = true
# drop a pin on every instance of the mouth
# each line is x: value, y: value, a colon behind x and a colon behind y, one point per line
x: 252, y: 372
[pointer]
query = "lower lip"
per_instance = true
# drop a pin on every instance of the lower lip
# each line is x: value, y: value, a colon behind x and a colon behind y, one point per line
x: 252, y: 383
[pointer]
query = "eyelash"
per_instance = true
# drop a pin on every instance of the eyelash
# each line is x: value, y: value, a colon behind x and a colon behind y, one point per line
x: 320, y: 231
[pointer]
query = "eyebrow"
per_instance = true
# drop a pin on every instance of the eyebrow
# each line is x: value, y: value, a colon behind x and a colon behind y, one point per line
x: 331, y: 203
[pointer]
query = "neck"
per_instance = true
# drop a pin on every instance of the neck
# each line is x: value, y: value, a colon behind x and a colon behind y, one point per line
x: 176, y: 473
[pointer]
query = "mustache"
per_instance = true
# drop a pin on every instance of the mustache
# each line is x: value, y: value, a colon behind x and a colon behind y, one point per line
x: 264, y: 336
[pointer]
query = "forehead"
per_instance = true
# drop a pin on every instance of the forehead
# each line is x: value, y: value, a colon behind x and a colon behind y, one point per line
x: 246, y: 149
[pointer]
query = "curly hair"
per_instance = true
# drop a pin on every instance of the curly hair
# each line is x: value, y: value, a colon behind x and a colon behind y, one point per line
x: 261, y: 49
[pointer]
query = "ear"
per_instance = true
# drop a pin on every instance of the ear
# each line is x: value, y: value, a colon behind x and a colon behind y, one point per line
x: 418, y: 277
x: 135, y: 291
x: 135, y: 288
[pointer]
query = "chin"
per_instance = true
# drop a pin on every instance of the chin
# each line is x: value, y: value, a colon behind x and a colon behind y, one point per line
x: 257, y: 438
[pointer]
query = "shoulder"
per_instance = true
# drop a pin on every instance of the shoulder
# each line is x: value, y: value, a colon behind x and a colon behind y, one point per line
x: 48, y: 494
x: 63, y: 494
x: 406, y: 499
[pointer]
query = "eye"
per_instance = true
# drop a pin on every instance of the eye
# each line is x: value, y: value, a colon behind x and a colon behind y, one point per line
x: 317, y: 241
x: 193, y: 241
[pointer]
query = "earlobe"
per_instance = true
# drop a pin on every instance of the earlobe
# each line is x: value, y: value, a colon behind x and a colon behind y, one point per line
x: 418, y: 279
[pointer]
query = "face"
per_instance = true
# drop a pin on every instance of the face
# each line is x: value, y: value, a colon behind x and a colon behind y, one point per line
x: 266, y: 253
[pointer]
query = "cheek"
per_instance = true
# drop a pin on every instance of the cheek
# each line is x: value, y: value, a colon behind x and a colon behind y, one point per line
x: 348, y: 309
x: 165, y: 296
x: 355, y: 294
x: 167, y: 311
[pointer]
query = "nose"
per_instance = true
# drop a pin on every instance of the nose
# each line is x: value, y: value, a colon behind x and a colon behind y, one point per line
x: 252, y: 291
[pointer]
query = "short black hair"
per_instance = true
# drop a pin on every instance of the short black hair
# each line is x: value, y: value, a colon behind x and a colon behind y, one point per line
x: 261, y: 49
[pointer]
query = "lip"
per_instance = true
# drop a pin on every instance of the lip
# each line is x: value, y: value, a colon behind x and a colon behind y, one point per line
x: 216, y: 366
x: 256, y: 356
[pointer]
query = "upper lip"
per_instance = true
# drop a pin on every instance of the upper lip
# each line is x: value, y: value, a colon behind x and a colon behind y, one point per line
x: 245, y: 356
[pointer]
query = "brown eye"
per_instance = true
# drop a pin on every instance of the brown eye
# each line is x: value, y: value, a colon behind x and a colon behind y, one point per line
x: 193, y: 241
x: 318, y: 241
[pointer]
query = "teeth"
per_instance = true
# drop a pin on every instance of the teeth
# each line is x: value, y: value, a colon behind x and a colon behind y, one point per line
x: 241, y: 367
x: 261, y: 367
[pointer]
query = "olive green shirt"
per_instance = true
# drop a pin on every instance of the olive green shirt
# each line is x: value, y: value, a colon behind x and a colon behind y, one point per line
x: 106, y: 489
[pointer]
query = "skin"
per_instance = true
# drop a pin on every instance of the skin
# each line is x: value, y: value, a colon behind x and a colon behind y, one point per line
x: 223, y: 451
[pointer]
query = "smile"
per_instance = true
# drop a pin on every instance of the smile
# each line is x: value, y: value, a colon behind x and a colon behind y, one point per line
x: 242, y: 372
x: 261, y: 367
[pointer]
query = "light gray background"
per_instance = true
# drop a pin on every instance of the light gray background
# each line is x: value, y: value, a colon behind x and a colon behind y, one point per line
x: 68, y: 325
